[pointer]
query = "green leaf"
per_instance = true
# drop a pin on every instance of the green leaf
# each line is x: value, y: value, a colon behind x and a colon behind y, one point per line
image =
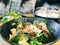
x: 4, y: 19
x: 17, y: 38
x: 35, y: 41
x: 11, y: 39
x: 42, y: 38
x: 31, y: 42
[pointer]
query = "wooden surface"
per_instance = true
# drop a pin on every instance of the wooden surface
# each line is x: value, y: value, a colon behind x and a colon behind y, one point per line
x: 2, y: 42
x: 28, y: 15
x: 57, y: 43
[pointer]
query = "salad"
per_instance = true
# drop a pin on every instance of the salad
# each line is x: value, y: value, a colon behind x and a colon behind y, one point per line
x: 9, y: 16
x: 37, y: 33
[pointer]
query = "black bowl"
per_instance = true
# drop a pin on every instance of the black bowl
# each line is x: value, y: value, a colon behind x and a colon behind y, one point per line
x: 5, y: 29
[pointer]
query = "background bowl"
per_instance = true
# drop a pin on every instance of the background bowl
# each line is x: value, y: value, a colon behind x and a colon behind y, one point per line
x: 5, y: 29
x: 55, y: 19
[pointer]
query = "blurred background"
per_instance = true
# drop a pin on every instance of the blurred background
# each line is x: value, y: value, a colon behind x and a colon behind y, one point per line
x: 26, y: 6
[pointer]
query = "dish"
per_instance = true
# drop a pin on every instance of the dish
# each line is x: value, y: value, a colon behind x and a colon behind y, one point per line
x: 11, y: 31
x: 9, y: 16
x: 48, y: 12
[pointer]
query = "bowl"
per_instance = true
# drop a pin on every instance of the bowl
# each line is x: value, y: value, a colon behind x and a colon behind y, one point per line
x: 46, y: 16
x: 5, y: 29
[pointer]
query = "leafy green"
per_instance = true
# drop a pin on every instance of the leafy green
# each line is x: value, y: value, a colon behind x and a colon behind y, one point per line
x: 13, y: 14
x: 35, y: 42
x: 15, y: 39
x: 11, y: 39
x: 4, y: 19
x: 42, y: 38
